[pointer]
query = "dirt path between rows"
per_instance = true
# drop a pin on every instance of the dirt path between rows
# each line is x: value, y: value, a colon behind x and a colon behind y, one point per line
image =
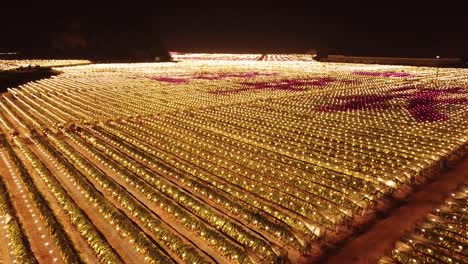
x: 380, y: 238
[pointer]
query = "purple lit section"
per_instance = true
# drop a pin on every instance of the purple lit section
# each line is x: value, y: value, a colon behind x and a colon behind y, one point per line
x: 291, y: 85
x: 359, y: 102
x: 323, y: 81
x: 221, y: 76
x: 203, y: 76
x: 422, y: 103
x: 383, y: 74
x: 169, y: 79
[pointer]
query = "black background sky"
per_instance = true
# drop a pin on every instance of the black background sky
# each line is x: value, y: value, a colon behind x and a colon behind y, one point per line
x: 387, y: 29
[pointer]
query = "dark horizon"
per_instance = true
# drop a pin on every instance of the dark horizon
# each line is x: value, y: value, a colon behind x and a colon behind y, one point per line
x: 125, y: 31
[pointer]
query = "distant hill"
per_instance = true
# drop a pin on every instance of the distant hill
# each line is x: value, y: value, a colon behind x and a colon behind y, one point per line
x: 85, y: 37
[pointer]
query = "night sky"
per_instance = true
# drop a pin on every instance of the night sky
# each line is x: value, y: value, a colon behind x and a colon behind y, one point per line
x: 352, y: 29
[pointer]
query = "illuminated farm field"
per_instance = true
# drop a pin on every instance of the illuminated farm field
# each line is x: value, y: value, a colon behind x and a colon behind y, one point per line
x: 216, y: 161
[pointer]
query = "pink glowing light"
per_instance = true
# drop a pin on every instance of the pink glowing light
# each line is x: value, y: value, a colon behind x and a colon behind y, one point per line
x: 384, y: 74
x: 422, y: 103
